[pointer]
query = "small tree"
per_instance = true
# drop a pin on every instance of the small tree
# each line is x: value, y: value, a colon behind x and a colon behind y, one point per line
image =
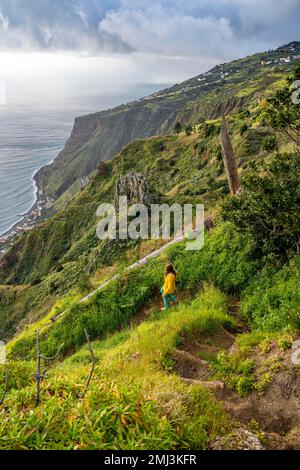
x: 101, y: 169
x: 178, y: 128
x: 281, y: 111
x: 188, y: 130
x: 268, y: 207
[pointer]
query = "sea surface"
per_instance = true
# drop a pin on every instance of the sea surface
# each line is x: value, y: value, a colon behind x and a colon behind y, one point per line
x: 32, y: 135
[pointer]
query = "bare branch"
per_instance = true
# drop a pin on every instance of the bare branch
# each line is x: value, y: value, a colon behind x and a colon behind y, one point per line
x: 38, y: 377
x: 53, y: 357
x: 93, y: 362
x: 5, y: 386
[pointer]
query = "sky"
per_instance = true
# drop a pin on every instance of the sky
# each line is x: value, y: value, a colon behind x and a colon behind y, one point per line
x: 135, y: 41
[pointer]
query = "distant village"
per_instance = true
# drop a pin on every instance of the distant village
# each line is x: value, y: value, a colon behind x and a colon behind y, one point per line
x: 281, y: 60
x: 219, y: 74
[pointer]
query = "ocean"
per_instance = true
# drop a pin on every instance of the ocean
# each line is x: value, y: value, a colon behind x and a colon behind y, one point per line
x: 32, y: 135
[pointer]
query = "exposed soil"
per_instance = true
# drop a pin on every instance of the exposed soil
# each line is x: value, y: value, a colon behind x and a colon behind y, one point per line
x: 153, y: 305
x: 277, y: 410
x: 205, y: 347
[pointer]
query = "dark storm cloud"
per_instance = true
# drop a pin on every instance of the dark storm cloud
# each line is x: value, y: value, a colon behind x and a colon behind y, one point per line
x: 206, y: 28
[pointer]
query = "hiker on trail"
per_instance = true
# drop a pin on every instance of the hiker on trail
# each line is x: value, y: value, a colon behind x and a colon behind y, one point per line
x: 169, y: 287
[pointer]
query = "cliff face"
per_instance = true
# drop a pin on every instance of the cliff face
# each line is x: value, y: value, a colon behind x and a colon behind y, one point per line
x: 101, y: 136
x: 225, y: 89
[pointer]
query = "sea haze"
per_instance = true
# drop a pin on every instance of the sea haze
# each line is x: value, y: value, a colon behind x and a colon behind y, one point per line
x: 32, y: 135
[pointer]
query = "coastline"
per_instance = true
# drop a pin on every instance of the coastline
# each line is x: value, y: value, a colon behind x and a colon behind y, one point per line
x: 29, y: 220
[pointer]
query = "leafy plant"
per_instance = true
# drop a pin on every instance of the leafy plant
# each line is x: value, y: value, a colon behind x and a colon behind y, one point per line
x: 282, y: 113
x: 268, y: 208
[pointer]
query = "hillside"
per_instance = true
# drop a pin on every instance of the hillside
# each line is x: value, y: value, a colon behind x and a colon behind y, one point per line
x: 64, y: 253
x: 218, y: 370
x: 224, y: 89
x: 192, y: 378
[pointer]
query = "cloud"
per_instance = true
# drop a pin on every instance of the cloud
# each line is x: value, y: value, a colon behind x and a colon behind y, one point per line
x: 4, y: 21
x: 214, y: 29
x: 55, y: 25
x: 220, y: 28
x: 158, y: 30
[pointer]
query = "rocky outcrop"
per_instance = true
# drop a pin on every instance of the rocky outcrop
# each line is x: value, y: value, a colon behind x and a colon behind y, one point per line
x: 240, y: 439
x: 137, y: 189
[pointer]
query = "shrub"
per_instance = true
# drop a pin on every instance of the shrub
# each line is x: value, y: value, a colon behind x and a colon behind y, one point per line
x: 225, y: 260
x: 271, y: 302
x: 270, y: 144
x: 235, y: 372
x: 158, y: 146
x: 188, y: 130
x: 268, y: 208
x: 243, y: 128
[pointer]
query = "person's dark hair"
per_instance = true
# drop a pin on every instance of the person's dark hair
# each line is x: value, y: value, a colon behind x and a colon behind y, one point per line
x: 170, y: 270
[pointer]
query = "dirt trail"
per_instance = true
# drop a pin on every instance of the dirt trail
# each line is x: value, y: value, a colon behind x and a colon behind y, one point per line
x: 277, y: 411
x: 207, y: 346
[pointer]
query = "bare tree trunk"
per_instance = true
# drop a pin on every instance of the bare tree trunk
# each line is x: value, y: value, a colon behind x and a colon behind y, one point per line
x: 229, y: 160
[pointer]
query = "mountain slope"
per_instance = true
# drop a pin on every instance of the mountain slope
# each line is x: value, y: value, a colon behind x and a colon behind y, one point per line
x: 224, y: 89
x: 64, y: 254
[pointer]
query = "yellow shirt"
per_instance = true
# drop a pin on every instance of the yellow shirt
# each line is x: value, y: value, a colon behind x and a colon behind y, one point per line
x: 170, y: 284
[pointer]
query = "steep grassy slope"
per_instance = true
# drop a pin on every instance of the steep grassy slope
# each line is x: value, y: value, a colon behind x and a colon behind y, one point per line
x: 116, y: 305
x: 137, y: 398
x: 232, y: 331
x: 64, y: 253
x: 225, y: 89
x: 133, y: 402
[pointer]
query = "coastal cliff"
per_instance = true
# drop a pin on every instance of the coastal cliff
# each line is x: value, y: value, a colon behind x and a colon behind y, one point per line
x: 227, y: 88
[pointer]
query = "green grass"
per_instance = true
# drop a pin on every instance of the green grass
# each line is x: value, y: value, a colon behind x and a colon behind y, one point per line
x: 132, y: 403
x: 272, y: 300
x: 52, y: 260
x: 225, y: 260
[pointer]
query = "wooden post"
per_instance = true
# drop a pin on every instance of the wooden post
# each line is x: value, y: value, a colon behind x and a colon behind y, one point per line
x: 229, y: 160
x: 5, y: 386
x: 38, y: 376
x: 88, y: 339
